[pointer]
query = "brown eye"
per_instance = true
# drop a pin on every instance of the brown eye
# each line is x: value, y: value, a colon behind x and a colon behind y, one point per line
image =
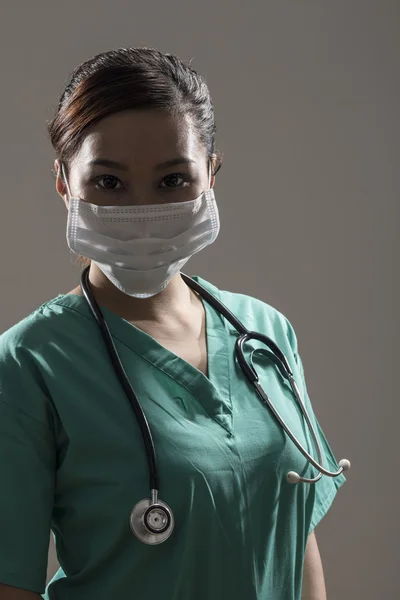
x: 109, y: 182
x: 172, y: 178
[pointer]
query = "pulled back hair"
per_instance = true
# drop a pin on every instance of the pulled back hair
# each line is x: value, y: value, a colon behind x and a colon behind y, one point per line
x: 124, y: 79
x: 130, y: 78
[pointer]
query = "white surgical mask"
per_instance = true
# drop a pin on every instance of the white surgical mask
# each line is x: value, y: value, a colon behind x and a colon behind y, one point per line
x: 140, y: 248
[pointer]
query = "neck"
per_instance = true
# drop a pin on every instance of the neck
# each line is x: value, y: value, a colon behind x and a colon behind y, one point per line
x: 176, y: 300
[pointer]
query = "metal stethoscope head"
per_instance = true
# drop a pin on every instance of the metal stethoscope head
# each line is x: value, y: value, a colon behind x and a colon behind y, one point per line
x: 151, y: 519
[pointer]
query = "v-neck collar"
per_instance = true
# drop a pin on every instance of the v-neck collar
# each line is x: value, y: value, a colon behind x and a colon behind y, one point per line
x: 212, y: 392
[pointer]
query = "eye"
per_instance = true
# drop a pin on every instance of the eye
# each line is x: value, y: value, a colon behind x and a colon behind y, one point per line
x: 109, y: 179
x: 173, y: 176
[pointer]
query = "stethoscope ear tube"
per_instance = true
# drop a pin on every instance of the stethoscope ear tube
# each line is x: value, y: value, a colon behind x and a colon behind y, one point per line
x: 252, y: 376
x: 247, y: 368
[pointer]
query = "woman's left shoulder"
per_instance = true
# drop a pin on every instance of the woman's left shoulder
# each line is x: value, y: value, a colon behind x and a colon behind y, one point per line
x: 260, y: 310
x: 255, y: 314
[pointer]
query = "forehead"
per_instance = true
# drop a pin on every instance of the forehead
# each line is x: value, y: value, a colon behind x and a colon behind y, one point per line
x: 144, y: 136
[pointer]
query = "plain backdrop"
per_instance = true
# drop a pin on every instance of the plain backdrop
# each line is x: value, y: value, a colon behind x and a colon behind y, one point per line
x: 306, y: 97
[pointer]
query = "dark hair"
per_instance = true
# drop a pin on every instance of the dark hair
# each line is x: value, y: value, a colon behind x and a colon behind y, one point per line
x: 130, y: 78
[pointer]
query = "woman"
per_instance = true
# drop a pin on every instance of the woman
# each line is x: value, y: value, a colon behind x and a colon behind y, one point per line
x: 134, y: 136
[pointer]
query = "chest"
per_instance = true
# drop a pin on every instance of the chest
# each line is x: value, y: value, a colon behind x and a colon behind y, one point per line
x: 188, y: 341
x: 192, y: 351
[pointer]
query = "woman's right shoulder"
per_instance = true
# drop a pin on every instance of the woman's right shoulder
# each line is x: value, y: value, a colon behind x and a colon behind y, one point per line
x: 26, y: 351
x: 31, y: 330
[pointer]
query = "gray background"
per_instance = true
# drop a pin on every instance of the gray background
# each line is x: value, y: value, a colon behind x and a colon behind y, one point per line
x: 306, y: 97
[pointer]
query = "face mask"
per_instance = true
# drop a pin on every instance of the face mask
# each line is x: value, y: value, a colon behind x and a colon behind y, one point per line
x: 140, y: 248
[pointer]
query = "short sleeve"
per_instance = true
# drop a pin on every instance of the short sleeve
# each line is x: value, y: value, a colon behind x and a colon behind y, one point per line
x: 27, y: 473
x: 323, y: 492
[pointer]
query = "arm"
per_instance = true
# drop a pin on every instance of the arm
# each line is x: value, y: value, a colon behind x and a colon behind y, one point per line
x: 313, y: 574
x: 8, y: 592
x: 27, y: 474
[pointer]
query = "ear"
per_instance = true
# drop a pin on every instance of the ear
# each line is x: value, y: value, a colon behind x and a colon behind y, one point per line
x: 60, y: 185
x: 213, y: 166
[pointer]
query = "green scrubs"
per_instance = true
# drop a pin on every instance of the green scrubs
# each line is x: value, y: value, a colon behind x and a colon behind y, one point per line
x: 72, y: 460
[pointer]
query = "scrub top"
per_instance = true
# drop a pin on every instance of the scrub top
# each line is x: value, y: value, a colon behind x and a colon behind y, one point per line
x: 72, y: 460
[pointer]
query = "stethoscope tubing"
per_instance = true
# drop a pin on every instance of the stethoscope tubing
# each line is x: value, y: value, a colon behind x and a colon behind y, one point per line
x: 117, y: 364
x: 248, y: 370
x: 253, y: 378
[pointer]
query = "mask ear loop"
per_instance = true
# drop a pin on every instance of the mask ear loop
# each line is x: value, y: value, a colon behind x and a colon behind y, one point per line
x: 65, y: 178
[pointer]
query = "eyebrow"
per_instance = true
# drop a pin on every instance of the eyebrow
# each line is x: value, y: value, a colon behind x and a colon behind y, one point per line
x: 104, y: 162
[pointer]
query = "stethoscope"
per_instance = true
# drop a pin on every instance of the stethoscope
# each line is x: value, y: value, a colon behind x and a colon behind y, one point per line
x: 152, y: 520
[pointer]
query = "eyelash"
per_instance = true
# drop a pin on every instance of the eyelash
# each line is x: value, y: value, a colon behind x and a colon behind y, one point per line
x: 97, y: 178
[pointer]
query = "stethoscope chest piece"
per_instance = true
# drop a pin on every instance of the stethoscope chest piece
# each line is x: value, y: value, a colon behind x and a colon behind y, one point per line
x: 152, y: 522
